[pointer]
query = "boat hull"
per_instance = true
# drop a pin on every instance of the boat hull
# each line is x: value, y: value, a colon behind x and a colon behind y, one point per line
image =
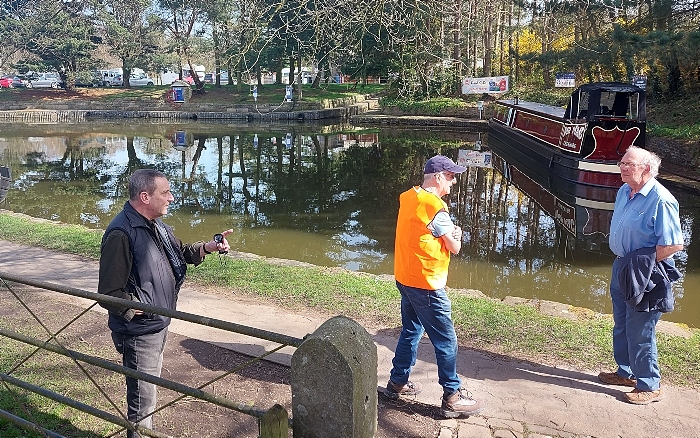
x: 564, y: 175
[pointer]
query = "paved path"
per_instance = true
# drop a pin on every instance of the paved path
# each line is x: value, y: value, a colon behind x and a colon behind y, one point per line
x: 523, y: 399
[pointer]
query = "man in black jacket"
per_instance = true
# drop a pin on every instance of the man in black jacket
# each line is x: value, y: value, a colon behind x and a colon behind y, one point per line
x: 141, y: 260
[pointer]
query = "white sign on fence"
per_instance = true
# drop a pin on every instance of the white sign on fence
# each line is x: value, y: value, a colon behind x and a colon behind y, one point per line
x: 474, y: 158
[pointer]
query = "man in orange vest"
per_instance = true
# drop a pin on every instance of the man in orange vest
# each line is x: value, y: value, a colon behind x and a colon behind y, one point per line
x: 425, y: 238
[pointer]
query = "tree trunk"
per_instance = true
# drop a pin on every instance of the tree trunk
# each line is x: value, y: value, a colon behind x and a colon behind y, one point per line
x: 217, y: 56
x: 456, y: 48
x: 292, y: 70
x: 198, y: 84
x: 488, y: 44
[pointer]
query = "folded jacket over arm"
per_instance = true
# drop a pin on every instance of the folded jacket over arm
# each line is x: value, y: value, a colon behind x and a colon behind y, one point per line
x: 646, y: 282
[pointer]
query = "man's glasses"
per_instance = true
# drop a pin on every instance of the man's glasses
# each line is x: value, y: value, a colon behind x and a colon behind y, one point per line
x: 448, y: 175
x: 626, y: 164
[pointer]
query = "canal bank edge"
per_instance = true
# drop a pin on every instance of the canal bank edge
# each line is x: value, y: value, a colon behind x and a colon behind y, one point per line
x: 72, y: 111
x: 545, y: 307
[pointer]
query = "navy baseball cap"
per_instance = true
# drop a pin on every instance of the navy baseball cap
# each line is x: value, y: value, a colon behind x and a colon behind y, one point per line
x: 439, y: 163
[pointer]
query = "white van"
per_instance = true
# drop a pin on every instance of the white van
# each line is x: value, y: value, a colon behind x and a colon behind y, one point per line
x: 111, y: 78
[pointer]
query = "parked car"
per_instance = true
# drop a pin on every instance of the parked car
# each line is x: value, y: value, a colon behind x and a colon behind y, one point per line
x: 140, y: 80
x: 110, y: 78
x: 6, y: 82
x: 45, y: 80
x: 21, y: 82
x: 117, y: 81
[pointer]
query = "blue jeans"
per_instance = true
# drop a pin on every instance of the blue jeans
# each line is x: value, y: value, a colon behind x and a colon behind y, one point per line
x: 426, y: 311
x: 634, y: 338
x: 142, y: 353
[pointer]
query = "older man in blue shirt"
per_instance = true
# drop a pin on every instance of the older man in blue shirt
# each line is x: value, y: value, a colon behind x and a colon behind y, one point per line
x: 645, y: 216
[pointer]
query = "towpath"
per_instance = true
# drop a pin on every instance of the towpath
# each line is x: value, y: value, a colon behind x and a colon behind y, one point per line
x: 524, y: 399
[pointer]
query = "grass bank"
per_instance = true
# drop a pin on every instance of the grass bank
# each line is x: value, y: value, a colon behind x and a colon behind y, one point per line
x: 226, y: 95
x: 519, y: 331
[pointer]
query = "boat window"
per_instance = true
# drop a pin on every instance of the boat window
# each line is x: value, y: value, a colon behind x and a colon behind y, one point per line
x: 583, y: 105
x: 607, y: 103
x: 619, y: 104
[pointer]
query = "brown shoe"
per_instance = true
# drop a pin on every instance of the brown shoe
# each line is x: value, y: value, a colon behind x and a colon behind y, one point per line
x: 394, y: 390
x: 639, y: 397
x: 460, y: 403
x: 616, y: 379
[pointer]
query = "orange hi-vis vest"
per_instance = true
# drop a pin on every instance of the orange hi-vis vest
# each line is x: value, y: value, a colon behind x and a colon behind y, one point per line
x: 420, y: 259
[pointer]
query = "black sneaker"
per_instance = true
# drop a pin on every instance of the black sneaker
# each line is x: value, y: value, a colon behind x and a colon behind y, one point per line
x: 394, y: 390
x: 460, y: 403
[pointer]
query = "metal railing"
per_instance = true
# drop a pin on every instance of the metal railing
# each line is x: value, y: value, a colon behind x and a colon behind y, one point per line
x: 272, y: 423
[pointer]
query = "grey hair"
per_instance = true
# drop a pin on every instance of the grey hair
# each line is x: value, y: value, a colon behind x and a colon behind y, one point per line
x: 143, y: 180
x: 428, y: 176
x: 649, y: 158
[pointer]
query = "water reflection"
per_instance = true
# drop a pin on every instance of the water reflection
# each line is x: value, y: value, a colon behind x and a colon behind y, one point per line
x: 326, y: 195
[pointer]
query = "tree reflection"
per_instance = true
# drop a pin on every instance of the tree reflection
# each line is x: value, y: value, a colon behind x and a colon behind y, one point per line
x: 330, y: 198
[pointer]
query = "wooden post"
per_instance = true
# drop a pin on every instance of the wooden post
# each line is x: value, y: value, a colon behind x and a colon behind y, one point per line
x: 275, y: 423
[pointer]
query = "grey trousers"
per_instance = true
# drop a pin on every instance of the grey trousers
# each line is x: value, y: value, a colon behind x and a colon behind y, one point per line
x: 142, y: 353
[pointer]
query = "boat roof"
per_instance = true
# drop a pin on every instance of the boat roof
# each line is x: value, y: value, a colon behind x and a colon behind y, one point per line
x: 539, y: 108
x: 593, y: 89
x: 609, y: 86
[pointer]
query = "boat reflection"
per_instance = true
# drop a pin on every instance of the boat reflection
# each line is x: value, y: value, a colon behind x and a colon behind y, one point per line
x: 581, y: 224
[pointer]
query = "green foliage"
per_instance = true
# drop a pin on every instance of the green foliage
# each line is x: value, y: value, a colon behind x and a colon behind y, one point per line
x: 549, y: 96
x: 131, y: 34
x: 524, y: 331
x: 61, y: 37
x: 434, y: 106
x: 674, y: 117
x: 684, y: 132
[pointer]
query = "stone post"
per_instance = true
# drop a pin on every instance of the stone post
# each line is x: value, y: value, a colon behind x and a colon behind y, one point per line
x: 334, y: 382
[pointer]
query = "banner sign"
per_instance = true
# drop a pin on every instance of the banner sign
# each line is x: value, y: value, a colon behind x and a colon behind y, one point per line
x: 474, y: 158
x: 492, y: 84
x: 565, y: 80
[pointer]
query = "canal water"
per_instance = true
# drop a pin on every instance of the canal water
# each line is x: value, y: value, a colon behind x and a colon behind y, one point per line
x: 326, y: 195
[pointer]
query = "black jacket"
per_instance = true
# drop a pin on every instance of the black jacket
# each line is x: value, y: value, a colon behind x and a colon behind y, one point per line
x: 646, y: 282
x: 147, y: 273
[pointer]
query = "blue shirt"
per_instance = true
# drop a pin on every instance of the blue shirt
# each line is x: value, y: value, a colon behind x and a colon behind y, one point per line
x: 649, y: 219
x: 441, y: 224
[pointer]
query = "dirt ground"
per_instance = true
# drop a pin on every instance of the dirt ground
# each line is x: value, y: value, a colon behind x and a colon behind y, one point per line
x: 188, y: 361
